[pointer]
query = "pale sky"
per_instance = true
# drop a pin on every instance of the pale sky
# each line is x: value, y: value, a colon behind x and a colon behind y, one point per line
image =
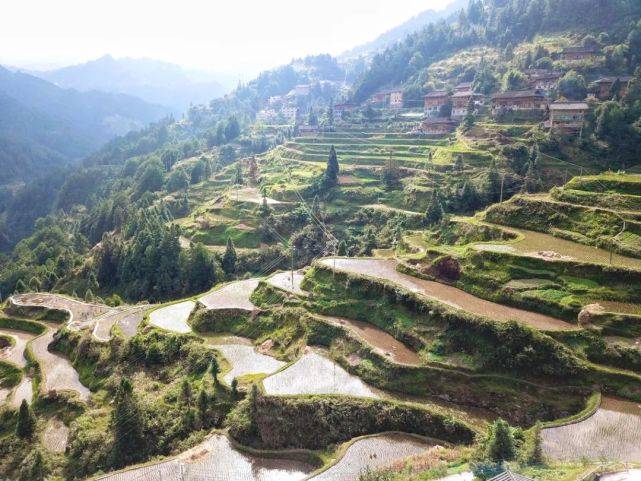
x: 226, y: 36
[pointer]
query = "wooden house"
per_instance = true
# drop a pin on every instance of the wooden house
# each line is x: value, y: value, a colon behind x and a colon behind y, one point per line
x: 604, y: 85
x: 518, y: 100
x: 434, y: 101
x: 461, y: 101
x: 568, y: 117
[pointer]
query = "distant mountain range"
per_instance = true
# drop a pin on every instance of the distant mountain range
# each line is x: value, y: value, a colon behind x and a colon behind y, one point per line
x: 151, y: 80
x: 397, y: 34
x: 42, y: 125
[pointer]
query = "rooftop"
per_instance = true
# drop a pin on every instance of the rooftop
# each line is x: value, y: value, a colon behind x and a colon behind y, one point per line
x: 569, y: 106
x: 439, y: 121
x: 517, y: 94
x: 580, y: 49
x: 437, y: 93
x: 622, y: 78
x: 466, y: 93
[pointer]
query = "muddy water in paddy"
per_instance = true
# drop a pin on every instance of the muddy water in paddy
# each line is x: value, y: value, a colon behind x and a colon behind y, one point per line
x: 15, y: 353
x: 173, y: 317
x: 534, y: 242
x: 122, y: 317
x: 374, y: 452
x: 234, y: 295
x: 216, y: 460
x: 244, y: 359
x: 82, y: 313
x: 452, y: 296
x: 612, y: 433
x: 313, y: 373
x: 376, y: 337
x: 58, y: 373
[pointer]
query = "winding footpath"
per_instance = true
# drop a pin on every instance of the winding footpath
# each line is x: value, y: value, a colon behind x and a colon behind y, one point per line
x: 386, y: 269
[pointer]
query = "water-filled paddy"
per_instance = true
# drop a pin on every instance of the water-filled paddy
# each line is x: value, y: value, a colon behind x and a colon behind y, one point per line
x: 380, y: 340
x: 216, y: 460
x: 55, y: 436
x: 629, y: 475
x: 288, y: 282
x: 15, y: 353
x: 612, y: 433
x: 234, y: 295
x: 313, y: 373
x: 122, y: 316
x: 386, y: 269
x: 23, y: 391
x: 373, y: 452
x: 244, y: 360
x: 173, y: 317
x: 82, y: 313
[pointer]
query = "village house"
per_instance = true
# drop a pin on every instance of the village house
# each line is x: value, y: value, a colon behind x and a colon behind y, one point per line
x: 290, y: 113
x: 434, y: 101
x: 604, y: 86
x: 461, y: 101
x: 463, y: 87
x: 437, y: 126
x: 508, y: 475
x: 578, y: 53
x: 540, y: 79
x: 518, y: 100
x: 307, y: 130
x: 266, y: 116
x: 567, y: 117
x: 346, y: 107
x: 276, y: 100
x: 388, y: 98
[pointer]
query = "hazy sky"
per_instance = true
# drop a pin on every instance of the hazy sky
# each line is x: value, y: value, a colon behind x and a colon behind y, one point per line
x: 231, y: 35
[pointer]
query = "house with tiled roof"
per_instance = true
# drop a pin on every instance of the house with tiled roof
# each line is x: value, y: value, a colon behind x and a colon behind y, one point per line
x: 434, y: 101
x: 518, y: 100
x: 578, y: 53
x: 604, y: 86
x: 568, y: 117
x: 461, y: 101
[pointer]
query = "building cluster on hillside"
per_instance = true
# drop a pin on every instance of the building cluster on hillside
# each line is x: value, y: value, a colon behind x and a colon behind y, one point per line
x: 392, y: 98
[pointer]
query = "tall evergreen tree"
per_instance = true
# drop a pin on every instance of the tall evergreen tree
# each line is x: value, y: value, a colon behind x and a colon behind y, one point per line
x: 435, y: 212
x: 26, y: 425
x: 501, y: 446
x: 127, y: 424
x: 331, y: 172
x: 229, y: 258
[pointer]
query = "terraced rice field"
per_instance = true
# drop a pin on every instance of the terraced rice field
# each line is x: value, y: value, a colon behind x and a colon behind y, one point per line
x: 129, y: 323
x: 23, y: 391
x: 244, y: 359
x: 82, y: 313
x: 374, y: 452
x: 216, y: 460
x: 630, y: 475
x: 15, y: 353
x: 613, y: 433
x: 55, y: 436
x: 234, y: 295
x: 386, y: 269
x: 313, y: 373
x: 252, y: 195
x: 289, y: 282
x: 380, y: 340
x: 173, y: 317
x: 57, y: 372
x: 123, y: 317
x: 534, y: 243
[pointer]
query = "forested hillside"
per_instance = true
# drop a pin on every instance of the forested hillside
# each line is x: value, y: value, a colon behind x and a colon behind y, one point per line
x: 499, y: 24
x: 43, y: 125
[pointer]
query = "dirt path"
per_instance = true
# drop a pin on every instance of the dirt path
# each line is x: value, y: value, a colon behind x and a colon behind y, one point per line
x: 57, y: 372
x: 234, y: 295
x: 173, y: 317
x: 216, y: 460
x: 374, y: 452
x: 15, y: 353
x: 386, y: 269
x: 612, y: 433
x: 314, y: 373
x: 377, y: 338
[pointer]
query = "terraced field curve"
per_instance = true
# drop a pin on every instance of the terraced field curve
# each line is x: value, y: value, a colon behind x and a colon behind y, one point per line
x: 15, y: 353
x: 385, y: 269
x: 234, y: 295
x: 173, y: 317
x: 612, y: 433
x: 373, y: 452
x: 216, y: 460
x: 313, y: 373
x: 244, y: 359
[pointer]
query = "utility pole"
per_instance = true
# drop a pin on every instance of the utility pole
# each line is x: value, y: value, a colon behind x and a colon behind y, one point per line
x: 292, y: 267
x: 502, y: 183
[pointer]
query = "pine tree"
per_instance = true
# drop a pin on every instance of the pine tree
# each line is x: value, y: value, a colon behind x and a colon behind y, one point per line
x: 532, y: 181
x: 501, y: 445
x: 185, y: 392
x: 238, y: 174
x: 458, y: 163
x: 493, y: 183
x: 229, y: 258
x: 214, y: 369
x: 468, y: 121
x: 331, y: 172
x: 469, y: 197
x: 26, y: 425
x: 234, y: 387
x: 127, y: 424
x: 533, y: 450
x: 435, y: 212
